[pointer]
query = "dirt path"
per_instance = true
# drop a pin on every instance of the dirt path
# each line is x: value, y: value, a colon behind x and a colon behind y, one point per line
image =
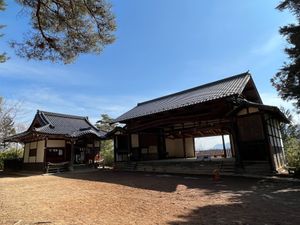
x: 106, y: 197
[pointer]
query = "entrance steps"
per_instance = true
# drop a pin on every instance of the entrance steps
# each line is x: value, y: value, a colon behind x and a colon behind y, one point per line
x: 180, y: 167
x: 257, y: 167
x: 57, y: 167
x: 196, y: 167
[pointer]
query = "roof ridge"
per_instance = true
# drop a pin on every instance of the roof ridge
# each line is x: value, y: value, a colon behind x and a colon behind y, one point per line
x: 62, y: 115
x: 197, y: 87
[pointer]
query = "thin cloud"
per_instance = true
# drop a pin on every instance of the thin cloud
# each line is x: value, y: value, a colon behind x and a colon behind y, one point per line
x: 274, y: 43
x: 43, y: 72
x: 79, y: 104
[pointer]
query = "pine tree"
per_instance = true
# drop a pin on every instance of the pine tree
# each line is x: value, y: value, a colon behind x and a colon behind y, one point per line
x: 63, y: 29
x: 106, y: 145
x: 2, y: 55
x: 287, y: 80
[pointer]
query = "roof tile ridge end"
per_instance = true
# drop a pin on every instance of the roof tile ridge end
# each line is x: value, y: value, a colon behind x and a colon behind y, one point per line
x: 93, y: 126
x: 41, y: 113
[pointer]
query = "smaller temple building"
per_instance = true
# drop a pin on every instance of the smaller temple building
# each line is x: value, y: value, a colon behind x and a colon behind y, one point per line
x: 58, y: 138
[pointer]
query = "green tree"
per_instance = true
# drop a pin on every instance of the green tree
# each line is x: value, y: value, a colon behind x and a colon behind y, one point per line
x: 64, y: 29
x: 2, y: 55
x: 287, y: 80
x: 291, y: 129
x: 107, y: 150
x: 291, y: 140
x: 105, y: 123
x: 292, y: 152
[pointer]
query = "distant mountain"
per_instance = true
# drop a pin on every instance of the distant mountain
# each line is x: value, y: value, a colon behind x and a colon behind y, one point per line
x: 220, y: 146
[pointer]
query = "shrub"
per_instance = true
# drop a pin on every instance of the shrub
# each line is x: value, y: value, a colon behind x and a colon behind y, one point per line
x: 11, y: 153
x: 292, y: 152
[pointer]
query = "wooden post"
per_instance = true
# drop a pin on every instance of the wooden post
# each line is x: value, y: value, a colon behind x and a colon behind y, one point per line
x: 194, y: 147
x: 183, y: 145
x: 45, y: 152
x: 71, y: 168
x: 129, y: 155
x: 65, y: 151
x: 268, y: 143
x: 235, y: 137
x: 115, y: 148
x: 94, y: 151
x: 161, y: 145
x: 224, y: 147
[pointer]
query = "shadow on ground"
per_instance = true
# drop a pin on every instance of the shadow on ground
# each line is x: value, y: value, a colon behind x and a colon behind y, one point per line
x: 251, y: 201
x: 18, y: 174
x: 158, y: 182
x: 263, y: 203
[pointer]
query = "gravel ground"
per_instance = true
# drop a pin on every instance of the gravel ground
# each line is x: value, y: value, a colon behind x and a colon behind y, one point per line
x: 110, y: 197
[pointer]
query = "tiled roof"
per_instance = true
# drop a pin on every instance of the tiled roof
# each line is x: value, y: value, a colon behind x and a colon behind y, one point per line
x: 219, y: 89
x: 60, y: 124
x: 70, y: 125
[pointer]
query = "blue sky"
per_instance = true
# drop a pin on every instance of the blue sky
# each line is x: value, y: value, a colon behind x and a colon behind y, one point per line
x: 161, y: 47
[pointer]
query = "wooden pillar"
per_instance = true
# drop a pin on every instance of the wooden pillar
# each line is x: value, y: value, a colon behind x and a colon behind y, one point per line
x: 224, y: 147
x: 129, y: 155
x: 65, y: 151
x: 115, y: 148
x: 267, y: 143
x: 183, y: 145
x: 94, y: 151
x: 194, y: 148
x: 161, y: 144
x: 45, y: 152
x: 236, y: 143
x: 71, y: 168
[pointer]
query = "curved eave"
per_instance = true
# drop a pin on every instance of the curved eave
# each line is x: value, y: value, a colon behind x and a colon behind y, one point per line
x: 275, y: 111
x: 18, y: 137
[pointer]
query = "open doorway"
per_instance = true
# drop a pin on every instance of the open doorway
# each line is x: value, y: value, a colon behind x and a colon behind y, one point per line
x: 213, y: 147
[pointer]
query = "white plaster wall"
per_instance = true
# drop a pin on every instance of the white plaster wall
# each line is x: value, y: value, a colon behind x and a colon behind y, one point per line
x: 55, y: 143
x: 189, y: 147
x: 174, y: 147
x: 134, y: 140
x: 32, y: 159
x: 253, y: 109
x: 33, y: 144
x: 26, y: 152
x: 242, y: 112
x: 250, y: 109
x: 40, y: 151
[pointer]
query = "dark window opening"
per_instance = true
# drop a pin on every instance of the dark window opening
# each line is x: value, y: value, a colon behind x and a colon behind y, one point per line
x: 32, y: 152
x: 55, y: 155
x: 122, y: 141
